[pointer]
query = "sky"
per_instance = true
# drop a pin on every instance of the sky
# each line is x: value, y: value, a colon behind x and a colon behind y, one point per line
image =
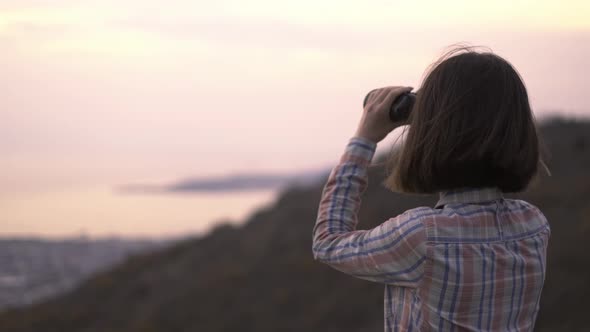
x: 97, y: 94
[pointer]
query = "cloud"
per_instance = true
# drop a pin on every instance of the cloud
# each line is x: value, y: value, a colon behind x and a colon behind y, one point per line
x: 260, y: 32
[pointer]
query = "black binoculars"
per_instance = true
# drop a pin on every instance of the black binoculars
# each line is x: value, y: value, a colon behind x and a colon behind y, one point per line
x: 401, y: 107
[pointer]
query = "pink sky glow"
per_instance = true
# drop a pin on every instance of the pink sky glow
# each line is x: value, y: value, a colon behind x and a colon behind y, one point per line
x: 94, y: 94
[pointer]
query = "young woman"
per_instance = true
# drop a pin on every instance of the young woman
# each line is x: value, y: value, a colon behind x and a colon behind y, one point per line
x: 476, y: 260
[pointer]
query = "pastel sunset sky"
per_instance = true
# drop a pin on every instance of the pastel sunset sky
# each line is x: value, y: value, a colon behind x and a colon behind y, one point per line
x: 95, y: 94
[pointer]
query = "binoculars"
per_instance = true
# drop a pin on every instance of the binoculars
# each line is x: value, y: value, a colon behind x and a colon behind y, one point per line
x: 400, y: 108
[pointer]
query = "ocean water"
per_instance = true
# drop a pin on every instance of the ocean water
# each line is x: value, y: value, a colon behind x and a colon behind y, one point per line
x: 102, y: 211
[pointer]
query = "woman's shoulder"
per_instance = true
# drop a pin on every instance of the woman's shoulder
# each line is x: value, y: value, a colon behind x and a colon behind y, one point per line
x: 524, y: 210
x: 518, y: 205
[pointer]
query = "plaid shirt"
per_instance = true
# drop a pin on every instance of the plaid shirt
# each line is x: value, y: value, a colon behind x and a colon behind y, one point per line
x: 476, y: 261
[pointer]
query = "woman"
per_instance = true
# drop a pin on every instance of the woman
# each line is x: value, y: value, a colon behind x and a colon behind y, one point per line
x: 476, y: 260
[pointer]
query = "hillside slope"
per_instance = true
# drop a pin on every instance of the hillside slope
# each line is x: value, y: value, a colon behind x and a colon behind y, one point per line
x: 262, y: 277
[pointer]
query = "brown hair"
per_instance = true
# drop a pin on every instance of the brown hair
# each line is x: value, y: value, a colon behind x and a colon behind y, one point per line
x: 472, y: 126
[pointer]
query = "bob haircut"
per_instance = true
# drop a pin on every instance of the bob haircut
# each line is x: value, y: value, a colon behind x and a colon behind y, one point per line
x: 471, y: 127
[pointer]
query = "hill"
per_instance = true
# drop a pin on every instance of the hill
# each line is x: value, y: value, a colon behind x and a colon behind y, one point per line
x: 262, y: 277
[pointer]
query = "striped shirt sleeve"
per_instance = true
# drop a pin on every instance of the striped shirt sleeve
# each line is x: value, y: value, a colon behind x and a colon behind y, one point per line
x: 391, y: 253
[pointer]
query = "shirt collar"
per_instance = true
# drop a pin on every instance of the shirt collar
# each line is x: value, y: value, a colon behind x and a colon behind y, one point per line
x: 468, y: 195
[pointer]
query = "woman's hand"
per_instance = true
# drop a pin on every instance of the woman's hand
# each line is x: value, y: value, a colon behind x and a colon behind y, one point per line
x: 375, y: 123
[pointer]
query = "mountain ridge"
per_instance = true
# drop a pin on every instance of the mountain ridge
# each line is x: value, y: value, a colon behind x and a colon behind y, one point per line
x: 262, y: 276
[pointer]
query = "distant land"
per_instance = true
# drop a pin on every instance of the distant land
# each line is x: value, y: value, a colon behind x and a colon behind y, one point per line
x: 32, y: 270
x: 237, y: 182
